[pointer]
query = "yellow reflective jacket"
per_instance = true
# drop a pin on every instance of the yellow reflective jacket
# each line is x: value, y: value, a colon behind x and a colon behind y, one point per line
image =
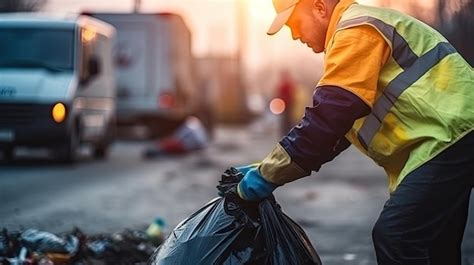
x: 425, y: 94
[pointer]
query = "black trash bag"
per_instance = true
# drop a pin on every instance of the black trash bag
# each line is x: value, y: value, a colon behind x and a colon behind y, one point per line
x: 285, y: 240
x: 228, y: 230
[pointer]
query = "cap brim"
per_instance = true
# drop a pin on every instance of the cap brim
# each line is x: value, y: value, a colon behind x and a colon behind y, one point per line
x: 280, y: 20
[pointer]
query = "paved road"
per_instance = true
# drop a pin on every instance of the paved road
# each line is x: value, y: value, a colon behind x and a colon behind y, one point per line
x: 337, y: 207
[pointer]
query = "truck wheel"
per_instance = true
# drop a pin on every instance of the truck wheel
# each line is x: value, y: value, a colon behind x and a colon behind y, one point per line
x: 101, y: 151
x: 8, y: 154
x: 67, y: 152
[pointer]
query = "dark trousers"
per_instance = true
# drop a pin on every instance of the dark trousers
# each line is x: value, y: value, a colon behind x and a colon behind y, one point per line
x: 424, y: 219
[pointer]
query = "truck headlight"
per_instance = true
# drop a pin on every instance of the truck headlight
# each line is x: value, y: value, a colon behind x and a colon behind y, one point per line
x: 59, y: 112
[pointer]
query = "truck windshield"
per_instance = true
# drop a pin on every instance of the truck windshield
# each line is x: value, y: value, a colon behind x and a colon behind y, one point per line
x: 50, y: 49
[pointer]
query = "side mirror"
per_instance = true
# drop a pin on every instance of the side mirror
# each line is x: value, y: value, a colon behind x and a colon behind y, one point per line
x: 94, y: 67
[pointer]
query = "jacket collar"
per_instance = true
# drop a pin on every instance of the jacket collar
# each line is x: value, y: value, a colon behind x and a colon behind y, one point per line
x: 335, y: 17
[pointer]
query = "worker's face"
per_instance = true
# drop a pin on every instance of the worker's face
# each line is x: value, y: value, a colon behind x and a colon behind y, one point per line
x: 309, y: 22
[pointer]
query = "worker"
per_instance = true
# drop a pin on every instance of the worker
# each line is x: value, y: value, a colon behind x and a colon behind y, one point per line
x: 398, y: 91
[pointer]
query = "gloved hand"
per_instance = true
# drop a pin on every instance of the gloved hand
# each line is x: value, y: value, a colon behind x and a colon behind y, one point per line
x: 254, y: 186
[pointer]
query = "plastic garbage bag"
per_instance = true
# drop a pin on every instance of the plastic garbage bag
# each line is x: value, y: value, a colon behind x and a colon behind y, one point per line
x: 46, y: 242
x: 228, y: 230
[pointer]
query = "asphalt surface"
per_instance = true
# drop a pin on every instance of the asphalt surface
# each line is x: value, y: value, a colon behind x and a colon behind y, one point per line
x: 336, y: 207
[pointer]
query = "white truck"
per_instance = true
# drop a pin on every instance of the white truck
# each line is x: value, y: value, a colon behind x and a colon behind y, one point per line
x: 155, y: 70
x: 57, y: 85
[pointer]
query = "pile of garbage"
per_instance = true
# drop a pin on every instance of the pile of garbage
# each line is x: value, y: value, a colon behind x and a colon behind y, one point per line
x: 227, y: 230
x: 34, y: 247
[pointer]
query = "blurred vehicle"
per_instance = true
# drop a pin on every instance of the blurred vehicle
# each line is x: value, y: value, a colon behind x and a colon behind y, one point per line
x: 157, y: 85
x: 57, y: 85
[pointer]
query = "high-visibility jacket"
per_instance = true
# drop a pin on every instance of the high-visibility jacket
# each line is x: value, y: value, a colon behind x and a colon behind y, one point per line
x: 425, y: 94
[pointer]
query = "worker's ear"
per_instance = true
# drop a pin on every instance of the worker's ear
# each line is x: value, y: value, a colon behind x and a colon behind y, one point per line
x: 319, y: 8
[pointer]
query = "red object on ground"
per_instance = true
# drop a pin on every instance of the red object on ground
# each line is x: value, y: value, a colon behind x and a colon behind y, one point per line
x: 171, y: 145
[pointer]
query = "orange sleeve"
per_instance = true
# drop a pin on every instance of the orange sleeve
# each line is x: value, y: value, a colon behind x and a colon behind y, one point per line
x: 354, y: 59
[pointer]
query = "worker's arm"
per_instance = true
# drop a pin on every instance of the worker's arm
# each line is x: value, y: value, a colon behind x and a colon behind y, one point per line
x: 320, y: 135
x: 345, y: 93
x: 316, y: 140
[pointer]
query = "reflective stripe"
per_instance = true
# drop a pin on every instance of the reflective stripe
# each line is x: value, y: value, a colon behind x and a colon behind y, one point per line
x: 397, y: 86
x: 401, y: 52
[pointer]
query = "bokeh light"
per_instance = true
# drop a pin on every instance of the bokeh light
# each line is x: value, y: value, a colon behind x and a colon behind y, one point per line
x: 277, y: 106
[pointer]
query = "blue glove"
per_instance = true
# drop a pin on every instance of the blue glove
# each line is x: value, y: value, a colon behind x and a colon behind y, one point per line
x: 253, y: 186
x: 247, y: 168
